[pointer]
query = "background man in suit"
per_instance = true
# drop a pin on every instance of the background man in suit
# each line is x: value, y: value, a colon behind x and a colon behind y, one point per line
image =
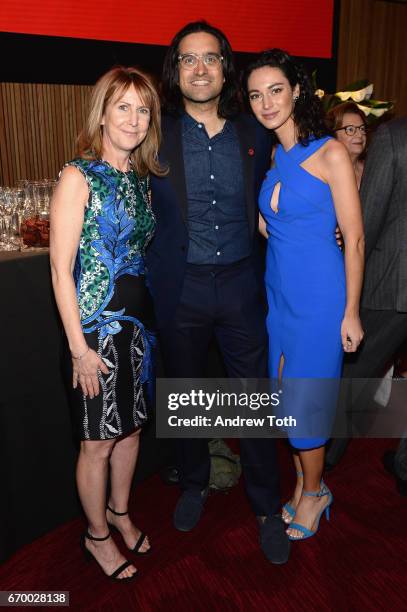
x: 384, y: 298
x: 203, y: 263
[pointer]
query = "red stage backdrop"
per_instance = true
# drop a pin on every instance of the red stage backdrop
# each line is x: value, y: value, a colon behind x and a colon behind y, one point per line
x: 302, y: 27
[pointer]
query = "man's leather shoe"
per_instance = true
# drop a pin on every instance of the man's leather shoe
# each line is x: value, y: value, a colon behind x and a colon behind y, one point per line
x: 189, y: 509
x: 389, y: 465
x: 274, y: 540
x: 170, y: 475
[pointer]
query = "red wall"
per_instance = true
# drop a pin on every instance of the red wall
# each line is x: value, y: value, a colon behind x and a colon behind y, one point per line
x: 302, y: 27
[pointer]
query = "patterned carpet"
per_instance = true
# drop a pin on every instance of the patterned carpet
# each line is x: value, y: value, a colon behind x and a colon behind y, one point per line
x: 358, y: 561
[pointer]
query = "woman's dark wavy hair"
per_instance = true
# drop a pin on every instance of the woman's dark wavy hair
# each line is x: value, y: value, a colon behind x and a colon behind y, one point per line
x: 172, y: 97
x: 308, y: 113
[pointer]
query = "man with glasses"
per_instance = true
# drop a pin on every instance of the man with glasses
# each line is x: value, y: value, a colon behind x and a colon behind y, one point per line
x: 203, y: 262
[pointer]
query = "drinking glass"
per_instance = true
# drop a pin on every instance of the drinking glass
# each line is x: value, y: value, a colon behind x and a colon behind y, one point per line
x: 22, y: 183
x: 8, y: 206
x: 41, y: 196
x: 2, y: 227
x: 35, y: 222
x: 29, y: 205
x: 19, y: 194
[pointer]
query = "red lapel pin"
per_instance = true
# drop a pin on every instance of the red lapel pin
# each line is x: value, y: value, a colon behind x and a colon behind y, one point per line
x: 251, y: 152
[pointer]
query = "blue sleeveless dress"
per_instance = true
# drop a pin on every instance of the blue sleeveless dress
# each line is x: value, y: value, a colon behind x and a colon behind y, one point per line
x: 305, y: 282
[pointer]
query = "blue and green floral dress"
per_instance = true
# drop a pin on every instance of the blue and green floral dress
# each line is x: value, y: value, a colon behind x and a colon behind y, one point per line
x: 115, y: 304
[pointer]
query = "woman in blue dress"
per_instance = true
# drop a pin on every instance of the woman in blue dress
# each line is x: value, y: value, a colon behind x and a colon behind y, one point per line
x: 313, y: 290
x: 101, y: 224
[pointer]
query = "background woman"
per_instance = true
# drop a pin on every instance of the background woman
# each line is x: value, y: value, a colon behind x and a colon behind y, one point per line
x: 101, y: 223
x: 349, y: 125
x: 313, y: 305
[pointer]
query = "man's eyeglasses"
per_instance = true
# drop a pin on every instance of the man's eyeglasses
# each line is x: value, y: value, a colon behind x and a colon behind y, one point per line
x: 190, y: 60
x: 350, y: 130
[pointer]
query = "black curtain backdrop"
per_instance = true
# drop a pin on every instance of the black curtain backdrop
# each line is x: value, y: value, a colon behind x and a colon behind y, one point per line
x: 50, y: 59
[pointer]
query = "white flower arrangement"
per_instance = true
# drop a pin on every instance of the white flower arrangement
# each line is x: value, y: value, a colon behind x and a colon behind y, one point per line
x: 359, y: 92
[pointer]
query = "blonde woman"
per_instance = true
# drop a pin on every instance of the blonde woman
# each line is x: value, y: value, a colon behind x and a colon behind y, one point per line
x: 101, y: 223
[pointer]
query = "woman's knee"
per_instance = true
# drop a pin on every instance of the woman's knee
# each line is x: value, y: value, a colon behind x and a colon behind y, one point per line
x: 130, y: 440
x: 97, y: 449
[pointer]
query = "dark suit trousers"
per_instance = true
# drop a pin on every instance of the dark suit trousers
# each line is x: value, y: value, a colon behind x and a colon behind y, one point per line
x: 385, y: 331
x: 225, y: 302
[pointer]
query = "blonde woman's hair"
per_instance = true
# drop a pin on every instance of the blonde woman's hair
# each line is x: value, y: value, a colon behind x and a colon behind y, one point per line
x: 116, y: 82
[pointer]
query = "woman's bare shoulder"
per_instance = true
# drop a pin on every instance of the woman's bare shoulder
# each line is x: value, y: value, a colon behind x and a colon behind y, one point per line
x: 72, y: 186
x: 334, y: 152
x: 72, y: 174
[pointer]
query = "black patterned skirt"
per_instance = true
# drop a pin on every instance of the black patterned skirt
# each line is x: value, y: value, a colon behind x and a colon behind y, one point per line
x: 125, y: 340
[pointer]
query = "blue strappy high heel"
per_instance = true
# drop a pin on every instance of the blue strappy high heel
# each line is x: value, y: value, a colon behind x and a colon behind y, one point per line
x: 308, y: 533
x: 288, y: 507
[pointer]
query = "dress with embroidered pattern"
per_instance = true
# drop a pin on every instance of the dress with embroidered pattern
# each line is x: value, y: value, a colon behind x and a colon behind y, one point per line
x: 114, y: 301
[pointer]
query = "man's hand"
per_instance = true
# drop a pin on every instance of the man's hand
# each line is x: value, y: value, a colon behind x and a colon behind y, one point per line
x: 339, y: 237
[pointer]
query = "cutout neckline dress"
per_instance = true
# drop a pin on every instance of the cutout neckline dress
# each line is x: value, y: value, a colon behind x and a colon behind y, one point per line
x: 305, y: 284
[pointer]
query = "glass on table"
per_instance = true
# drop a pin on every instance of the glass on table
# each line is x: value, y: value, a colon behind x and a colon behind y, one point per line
x: 41, y: 197
x: 3, y: 236
x: 35, y: 222
x: 22, y: 183
x: 19, y: 193
x: 29, y: 211
x: 50, y: 185
x: 42, y: 191
x: 8, y: 205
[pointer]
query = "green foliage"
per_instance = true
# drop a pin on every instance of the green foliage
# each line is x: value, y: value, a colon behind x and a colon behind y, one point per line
x: 358, y: 92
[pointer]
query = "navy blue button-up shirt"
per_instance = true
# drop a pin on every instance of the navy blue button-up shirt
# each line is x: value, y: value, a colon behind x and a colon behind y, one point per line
x: 217, y: 217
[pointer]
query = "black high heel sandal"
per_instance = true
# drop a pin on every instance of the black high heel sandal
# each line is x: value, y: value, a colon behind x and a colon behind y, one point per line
x: 136, y: 549
x: 90, y: 556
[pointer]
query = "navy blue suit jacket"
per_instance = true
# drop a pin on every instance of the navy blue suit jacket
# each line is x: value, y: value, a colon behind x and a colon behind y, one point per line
x: 167, y: 254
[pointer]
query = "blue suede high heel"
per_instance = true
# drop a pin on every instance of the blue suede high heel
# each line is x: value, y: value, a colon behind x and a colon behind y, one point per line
x: 288, y: 507
x: 308, y: 533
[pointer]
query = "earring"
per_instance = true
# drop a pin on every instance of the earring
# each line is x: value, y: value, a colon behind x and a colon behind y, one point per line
x: 296, y: 98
